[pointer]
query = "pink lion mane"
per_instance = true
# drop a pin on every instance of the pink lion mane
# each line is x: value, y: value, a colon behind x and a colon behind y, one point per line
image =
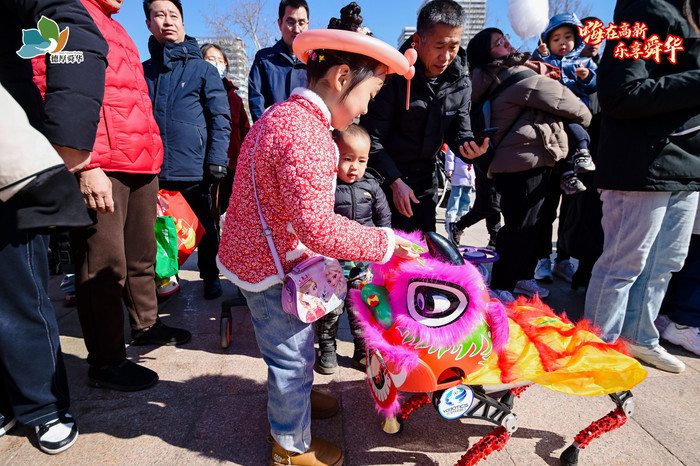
x: 395, y: 276
x: 467, y: 276
x: 403, y: 357
x: 392, y: 410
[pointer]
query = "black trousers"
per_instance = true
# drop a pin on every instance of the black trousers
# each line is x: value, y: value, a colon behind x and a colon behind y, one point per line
x: 522, y: 197
x: 683, y: 294
x: 486, y: 205
x: 425, y: 188
x: 549, y: 213
x: 198, y: 196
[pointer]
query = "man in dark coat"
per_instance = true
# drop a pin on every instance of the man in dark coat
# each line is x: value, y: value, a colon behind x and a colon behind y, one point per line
x: 648, y: 175
x: 33, y: 385
x: 192, y: 111
x: 276, y: 71
x: 405, y: 143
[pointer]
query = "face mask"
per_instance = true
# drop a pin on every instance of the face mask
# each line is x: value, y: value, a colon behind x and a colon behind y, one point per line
x: 220, y: 67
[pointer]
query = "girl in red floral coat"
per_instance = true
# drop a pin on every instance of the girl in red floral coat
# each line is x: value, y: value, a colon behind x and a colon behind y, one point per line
x: 295, y: 162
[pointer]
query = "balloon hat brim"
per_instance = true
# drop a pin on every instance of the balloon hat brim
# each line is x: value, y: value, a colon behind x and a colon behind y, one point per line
x: 355, y: 42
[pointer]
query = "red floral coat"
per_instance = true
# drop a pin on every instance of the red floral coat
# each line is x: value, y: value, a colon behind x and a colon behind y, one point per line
x: 296, y: 162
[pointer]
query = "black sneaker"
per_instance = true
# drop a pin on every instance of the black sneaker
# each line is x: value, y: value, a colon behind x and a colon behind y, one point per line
x: 327, y: 357
x: 492, y: 244
x: 7, y: 424
x: 125, y: 376
x: 583, y: 161
x: 57, y: 435
x: 212, y: 288
x: 570, y: 184
x: 160, y: 334
x: 454, y: 233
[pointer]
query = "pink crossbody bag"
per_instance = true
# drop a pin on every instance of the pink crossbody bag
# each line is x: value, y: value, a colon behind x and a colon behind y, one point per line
x: 314, y: 287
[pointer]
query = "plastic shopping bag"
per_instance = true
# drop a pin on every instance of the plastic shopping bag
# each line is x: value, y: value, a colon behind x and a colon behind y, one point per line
x: 189, y: 230
x: 166, y: 239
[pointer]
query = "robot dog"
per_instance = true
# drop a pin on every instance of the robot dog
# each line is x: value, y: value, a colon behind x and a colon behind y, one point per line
x: 431, y: 329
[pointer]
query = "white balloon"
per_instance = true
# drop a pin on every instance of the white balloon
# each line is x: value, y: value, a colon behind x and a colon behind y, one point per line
x: 528, y: 18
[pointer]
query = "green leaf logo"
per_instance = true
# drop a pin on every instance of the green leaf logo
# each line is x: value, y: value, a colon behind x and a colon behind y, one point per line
x: 45, y: 39
x: 48, y: 29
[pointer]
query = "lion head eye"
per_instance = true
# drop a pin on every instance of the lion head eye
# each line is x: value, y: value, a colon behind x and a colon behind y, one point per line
x: 435, y: 303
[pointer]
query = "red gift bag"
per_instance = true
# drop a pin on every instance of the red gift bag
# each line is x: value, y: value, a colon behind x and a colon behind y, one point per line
x: 189, y: 230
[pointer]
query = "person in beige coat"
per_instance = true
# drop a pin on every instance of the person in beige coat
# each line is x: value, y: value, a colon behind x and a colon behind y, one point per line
x: 530, y: 115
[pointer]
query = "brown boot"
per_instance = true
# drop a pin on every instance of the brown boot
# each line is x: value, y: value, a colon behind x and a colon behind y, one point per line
x: 320, y: 453
x: 322, y: 406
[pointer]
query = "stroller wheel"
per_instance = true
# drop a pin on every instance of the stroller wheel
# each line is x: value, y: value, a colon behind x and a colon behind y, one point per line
x: 225, y: 331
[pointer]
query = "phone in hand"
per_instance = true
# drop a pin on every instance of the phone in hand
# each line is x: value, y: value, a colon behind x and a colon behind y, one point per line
x: 483, y: 134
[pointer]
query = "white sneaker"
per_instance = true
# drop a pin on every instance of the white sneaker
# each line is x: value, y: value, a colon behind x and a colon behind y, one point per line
x: 564, y: 270
x: 168, y: 286
x: 543, y: 271
x: 530, y: 288
x: 656, y: 357
x: 6, y: 425
x: 57, y: 435
x: 682, y: 335
x: 503, y: 296
x: 661, y: 322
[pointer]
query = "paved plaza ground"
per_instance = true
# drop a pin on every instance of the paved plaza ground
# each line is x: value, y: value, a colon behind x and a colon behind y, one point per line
x: 209, y: 405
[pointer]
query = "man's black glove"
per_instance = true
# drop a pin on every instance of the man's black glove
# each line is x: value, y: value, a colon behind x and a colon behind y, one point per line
x: 214, y: 172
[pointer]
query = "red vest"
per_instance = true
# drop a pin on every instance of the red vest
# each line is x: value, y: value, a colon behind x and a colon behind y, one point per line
x: 128, y: 138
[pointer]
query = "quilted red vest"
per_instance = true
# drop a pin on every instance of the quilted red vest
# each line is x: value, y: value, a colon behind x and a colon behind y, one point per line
x: 128, y: 138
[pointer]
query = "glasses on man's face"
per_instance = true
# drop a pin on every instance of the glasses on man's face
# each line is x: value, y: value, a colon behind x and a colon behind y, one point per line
x: 503, y: 40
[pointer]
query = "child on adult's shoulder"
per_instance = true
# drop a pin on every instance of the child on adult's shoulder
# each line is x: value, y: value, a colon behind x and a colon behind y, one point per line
x: 359, y: 197
x: 561, y: 46
x: 461, y: 176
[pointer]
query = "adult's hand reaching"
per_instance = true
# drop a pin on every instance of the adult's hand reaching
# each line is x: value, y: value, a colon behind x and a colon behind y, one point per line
x: 403, y: 196
x: 472, y: 150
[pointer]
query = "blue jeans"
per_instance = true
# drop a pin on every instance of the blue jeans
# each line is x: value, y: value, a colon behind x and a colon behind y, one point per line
x: 33, y: 383
x: 287, y: 347
x: 646, y: 239
x: 457, y: 203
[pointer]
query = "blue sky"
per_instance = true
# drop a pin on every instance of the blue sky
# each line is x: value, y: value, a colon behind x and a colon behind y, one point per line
x: 385, y: 18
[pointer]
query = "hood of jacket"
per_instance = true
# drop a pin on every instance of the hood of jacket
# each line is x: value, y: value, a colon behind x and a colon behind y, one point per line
x: 565, y: 19
x: 170, y: 51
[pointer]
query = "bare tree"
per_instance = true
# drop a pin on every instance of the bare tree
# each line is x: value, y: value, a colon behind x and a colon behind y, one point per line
x: 581, y: 8
x: 245, y: 19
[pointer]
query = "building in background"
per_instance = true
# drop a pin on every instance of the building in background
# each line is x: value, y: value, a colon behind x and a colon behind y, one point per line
x: 238, y: 62
x: 407, y: 32
x: 476, y: 19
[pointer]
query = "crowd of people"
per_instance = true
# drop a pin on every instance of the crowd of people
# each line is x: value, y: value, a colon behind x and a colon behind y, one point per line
x: 335, y: 162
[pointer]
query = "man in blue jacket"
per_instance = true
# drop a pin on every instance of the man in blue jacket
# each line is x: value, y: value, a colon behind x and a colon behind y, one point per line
x: 192, y: 111
x: 276, y: 71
